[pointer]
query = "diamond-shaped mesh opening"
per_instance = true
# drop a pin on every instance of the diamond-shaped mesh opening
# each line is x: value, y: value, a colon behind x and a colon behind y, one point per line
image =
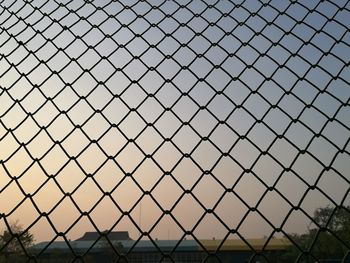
x: 174, y: 131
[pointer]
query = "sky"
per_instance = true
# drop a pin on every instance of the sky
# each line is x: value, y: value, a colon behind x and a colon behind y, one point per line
x: 206, y: 109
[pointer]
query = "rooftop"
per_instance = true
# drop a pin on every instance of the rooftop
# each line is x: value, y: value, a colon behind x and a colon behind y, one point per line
x: 92, y: 240
x: 112, y: 236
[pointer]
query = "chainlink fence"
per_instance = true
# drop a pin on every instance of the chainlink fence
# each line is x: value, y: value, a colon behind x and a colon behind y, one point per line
x: 178, y: 121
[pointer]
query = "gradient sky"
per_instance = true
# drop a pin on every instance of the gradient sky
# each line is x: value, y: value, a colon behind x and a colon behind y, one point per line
x: 71, y: 72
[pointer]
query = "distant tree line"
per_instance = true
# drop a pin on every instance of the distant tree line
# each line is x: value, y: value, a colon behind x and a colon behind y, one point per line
x: 327, y: 241
x: 14, y: 242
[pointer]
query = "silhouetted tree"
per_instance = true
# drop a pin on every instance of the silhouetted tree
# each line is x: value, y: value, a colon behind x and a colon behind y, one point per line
x: 13, y: 240
x: 328, y: 240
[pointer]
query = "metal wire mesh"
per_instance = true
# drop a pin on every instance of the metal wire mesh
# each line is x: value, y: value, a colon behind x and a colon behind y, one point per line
x: 173, y: 120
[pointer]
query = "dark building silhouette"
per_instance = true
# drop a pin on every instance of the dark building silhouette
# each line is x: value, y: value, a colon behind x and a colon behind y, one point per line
x: 112, y: 236
x: 148, y: 251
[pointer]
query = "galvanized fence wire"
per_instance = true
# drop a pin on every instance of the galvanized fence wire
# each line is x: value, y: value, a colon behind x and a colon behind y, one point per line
x: 184, y: 70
